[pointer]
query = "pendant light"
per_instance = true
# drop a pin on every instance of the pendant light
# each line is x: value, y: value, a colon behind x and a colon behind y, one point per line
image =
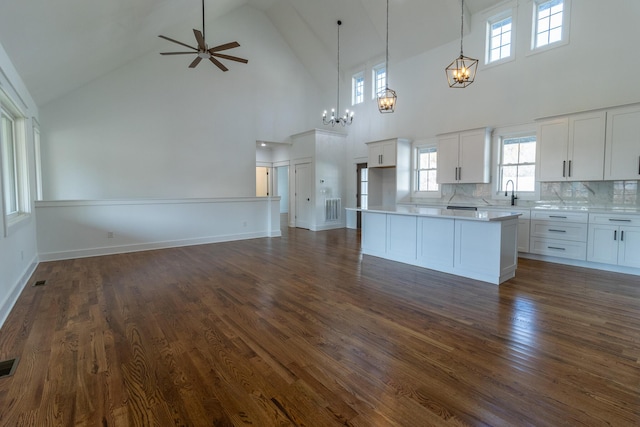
x: 387, y: 98
x: 347, y: 119
x: 462, y: 71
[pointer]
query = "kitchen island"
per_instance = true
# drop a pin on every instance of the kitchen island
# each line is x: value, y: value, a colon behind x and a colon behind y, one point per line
x: 481, y: 245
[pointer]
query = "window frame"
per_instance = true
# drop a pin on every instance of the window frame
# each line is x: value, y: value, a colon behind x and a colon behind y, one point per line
x: 374, y: 77
x: 508, y: 13
x: 511, y: 132
x: 354, y: 86
x: 20, y: 172
x: 566, y: 20
x: 417, y: 147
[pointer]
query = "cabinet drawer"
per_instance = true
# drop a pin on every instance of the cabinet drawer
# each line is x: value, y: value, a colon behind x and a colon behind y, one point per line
x: 559, y: 230
x: 615, y: 219
x: 560, y: 216
x: 559, y: 248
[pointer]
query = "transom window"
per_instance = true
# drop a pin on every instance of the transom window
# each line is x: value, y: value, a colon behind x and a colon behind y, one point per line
x: 379, y: 80
x: 518, y: 163
x: 549, y: 17
x: 499, y: 36
x: 427, y: 160
x: 357, y: 88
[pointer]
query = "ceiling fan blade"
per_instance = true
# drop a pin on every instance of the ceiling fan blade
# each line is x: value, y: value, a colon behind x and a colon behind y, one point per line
x: 218, y: 63
x: 195, y: 62
x: 178, y: 53
x: 200, y: 40
x: 224, y: 47
x: 176, y: 41
x: 231, y: 58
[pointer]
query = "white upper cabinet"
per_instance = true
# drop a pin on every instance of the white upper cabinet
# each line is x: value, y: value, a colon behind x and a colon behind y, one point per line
x: 464, y: 157
x: 572, y: 148
x: 622, y: 158
x: 382, y: 154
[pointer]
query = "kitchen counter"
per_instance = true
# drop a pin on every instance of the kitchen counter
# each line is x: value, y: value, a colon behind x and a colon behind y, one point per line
x: 465, y: 214
x: 481, y: 245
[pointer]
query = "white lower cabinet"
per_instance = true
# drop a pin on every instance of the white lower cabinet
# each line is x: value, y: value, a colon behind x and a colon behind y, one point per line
x: 375, y: 241
x: 614, y: 239
x: 435, y: 242
x: 559, y: 234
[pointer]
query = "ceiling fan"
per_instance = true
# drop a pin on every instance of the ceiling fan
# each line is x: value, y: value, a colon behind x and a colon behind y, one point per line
x: 203, y: 51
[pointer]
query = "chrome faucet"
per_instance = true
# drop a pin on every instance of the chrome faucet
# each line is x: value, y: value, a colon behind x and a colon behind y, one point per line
x: 513, y: 190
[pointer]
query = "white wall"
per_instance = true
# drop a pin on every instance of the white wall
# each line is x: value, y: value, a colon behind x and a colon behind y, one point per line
x: 587, y: 73
x: 18, y: 253
x: 157, y: 129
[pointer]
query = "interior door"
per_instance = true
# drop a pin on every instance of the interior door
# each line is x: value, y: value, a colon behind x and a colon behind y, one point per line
x: 303, y: 195
x: 262, y: 181
x: 362, y: 195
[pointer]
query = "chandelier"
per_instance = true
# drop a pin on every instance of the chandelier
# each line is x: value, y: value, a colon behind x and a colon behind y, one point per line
x: 462, y: 71
x: 347, y: 119
x: 387, y: 98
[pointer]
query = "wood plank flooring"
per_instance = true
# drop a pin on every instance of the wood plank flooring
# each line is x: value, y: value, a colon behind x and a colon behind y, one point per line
x: 304, y: 331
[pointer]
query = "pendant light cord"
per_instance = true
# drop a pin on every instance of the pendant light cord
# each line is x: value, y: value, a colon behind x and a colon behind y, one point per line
x: 203, y: 35
x: 338, y: 80
x: 386, y: 65
x: 461, y: 26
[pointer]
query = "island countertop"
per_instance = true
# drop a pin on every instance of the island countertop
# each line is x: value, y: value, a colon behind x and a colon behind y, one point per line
x: 472, y: 215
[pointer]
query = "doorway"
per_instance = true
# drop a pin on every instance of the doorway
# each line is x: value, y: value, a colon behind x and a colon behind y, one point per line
x: 263, y: 181
x: 303, y: 196
x: 362, y: 191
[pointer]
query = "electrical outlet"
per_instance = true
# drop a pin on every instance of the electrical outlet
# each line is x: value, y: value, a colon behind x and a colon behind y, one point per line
x: 109, y: 234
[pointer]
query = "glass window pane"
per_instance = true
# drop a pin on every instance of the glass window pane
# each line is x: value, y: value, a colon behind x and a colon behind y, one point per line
x: 556, y: 21
x: 555, y: 35
x: 9, y: 166
x: 528, y: 152
x: 526, y: 178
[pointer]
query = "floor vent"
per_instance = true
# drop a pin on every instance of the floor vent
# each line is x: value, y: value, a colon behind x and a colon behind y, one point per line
x: 8, y: 367
x: 40, y: 283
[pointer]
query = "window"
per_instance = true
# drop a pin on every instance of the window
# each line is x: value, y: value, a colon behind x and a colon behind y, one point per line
x: 427, y: 168
x: 518, y: 164
x: 550, y: 20
x: 499, y: 38
x: 13, y: 161
x: 357, y: 89
x: 379, y: 80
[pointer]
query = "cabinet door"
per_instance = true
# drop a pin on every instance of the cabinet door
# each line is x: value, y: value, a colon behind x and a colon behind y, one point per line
x: 553, y: 139
x: 586, y: 147
x: 374, y: 233
x: 435, y: 242
x: 602, y: 244
x: 447, y: 159
x: 375, y: 155
x: 473, y: 157
x: 629, y: 253
x: 524, y: 226
x: 389, y: 154
x: 622, y: 156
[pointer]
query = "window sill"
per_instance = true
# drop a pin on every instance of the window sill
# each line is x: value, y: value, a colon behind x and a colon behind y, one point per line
x: 14, y: 222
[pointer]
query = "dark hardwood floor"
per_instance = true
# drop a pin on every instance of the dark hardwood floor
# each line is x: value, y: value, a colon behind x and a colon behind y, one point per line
x: 304, y: 331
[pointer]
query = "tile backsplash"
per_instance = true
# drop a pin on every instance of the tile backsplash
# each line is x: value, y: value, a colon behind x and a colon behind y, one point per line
x: 588, y: 193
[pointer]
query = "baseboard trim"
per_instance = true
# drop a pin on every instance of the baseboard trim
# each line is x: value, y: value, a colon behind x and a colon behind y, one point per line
x: 15, y: 292
x: 580, y: 263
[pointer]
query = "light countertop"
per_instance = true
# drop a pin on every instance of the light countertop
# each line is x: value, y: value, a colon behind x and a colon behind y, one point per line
x: 479, y: 215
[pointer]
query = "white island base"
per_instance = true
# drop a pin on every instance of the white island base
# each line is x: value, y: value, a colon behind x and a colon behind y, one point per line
x: 476, y: 244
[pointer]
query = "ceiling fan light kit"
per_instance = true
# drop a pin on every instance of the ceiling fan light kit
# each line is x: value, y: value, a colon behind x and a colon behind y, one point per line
x: 203, y: 51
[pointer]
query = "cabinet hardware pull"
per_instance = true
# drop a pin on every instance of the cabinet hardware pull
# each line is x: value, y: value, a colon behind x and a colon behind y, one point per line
x: 615, y: 234
x: 557, y: 231
x: 622, y: 236
x: 638, y: 165
x: 569, y: 174
x: 564, y: 165
x: 619, y: 220
x: 554, y: 247
x: 460, y: 173
x: 557, y: 216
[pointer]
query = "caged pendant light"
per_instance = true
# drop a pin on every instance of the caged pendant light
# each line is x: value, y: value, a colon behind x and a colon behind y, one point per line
x: 347, y: 119
x: 462, y: 71
x: 387, y: 98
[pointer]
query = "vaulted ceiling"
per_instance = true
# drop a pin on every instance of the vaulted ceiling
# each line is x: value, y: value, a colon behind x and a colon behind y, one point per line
x: 60, y: 45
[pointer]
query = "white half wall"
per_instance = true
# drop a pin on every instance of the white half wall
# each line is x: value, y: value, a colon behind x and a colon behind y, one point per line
x: 75, y: 229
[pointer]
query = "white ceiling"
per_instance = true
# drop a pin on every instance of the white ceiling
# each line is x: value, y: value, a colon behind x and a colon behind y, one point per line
x: 60, y: 45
